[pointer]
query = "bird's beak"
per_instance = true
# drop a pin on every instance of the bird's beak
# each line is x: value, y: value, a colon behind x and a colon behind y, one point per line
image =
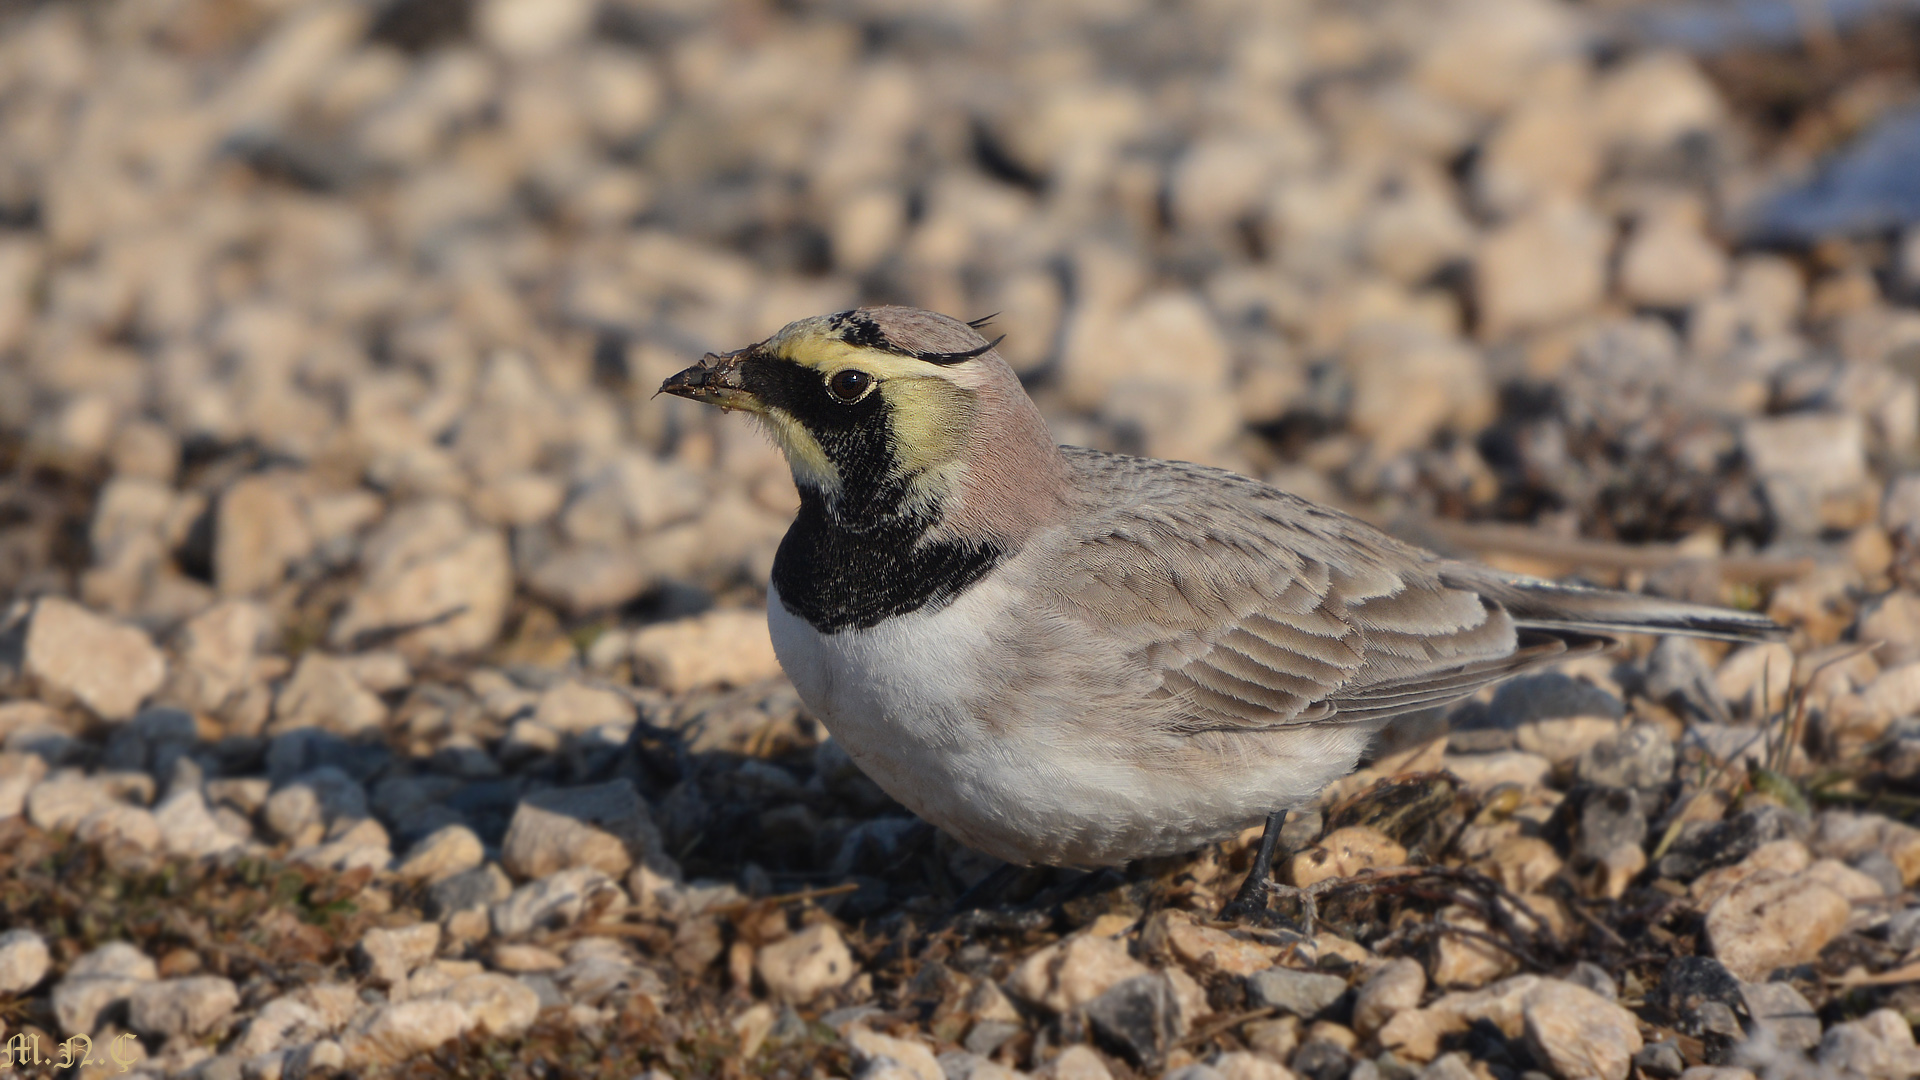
x: 714, y: 380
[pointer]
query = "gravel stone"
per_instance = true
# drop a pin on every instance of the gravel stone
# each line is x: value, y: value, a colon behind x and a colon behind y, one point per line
x: 1305, y: 994
x: 1578, y: 1032
x: 802, y: 966
x: 1773, y: 920
x: 106, y: 666
x: 1139, y: 1016
x: 605, y: 826
x: 24, y: 960
x: 1642, y: 756
x: 188, y: 1008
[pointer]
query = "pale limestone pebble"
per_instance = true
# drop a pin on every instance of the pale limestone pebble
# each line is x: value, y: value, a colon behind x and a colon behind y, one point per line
x: 390, y: 955
x: 62, y: 801
x: 1655, y: 98
x: 1417, y: 228
x: 599, y: 971
x: 1562, y: 739
x: 98, y: 981
x: 1670, y: 263
x: 718, y: 648
x: 802, y: 966
x: 1839, y: 834
x: 1809, y: 464
x: 75, y: 655
x: 433, y: 977
x: 1543, y: 268
x: 1717, y: 1072
x: 501, y: 1004
x: 1879, y: 1045
x: 1484, y: 772
x: 635, y: 493
x: 572, y: 707
x: 24, y: 960
x: 884, y: 1057
x: 1415, y: 1034
x: 119, y: 823
x: 442, y: 853
x: 1523, y: 863
x: 603, y: 826
x: 964, y: 1065
x: 1772, y: 920
x: 350, y: 845
x: 394, y: 1032
x: 1077, y: 1062
x: 1485, y: 55
x: 1757, y: 679
x: 1070, y: 973
x: 586, y: 578
x: 1346, y: 852
x: 1845, y: 880
x: 1786, y: 856
x: 1578, y: 1033
x: 1390, y: 989
x: 557, y: 900
x: 189, y: 1007
x: 518, y: 498
x: 521, y: 958
x: 1206, y: 948
x: 1543, y: 149
x: 1465, y: 962
x: 1409, y: 384
x: 1241, y: 1065
x: 1613, y: 872
x: 260, y: 529
x: 290, y: 1019
x: 20, y: 774
x: 1167, y: 339
x: 432, y: 580
x: 325, y: 692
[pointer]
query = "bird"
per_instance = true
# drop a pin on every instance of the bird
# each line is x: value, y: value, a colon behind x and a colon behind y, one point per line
x: 1071, y: 658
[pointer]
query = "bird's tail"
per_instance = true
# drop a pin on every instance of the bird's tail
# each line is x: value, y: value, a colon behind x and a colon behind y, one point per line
x: 1539, y: 604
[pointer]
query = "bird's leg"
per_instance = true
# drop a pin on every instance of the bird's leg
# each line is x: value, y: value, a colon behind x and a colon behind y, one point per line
x: 1250, y: 903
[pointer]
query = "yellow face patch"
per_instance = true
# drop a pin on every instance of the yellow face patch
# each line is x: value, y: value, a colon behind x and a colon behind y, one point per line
x: 929, y: 415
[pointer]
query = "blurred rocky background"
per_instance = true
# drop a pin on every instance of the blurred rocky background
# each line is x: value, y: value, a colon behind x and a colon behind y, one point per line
x: 383, y: 688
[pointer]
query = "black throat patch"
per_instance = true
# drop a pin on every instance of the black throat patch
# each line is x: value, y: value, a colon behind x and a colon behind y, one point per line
x: 839, y: 577
x: 863, y: 554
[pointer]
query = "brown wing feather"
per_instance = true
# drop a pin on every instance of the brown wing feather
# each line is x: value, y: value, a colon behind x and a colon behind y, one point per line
x: 1259, y: 609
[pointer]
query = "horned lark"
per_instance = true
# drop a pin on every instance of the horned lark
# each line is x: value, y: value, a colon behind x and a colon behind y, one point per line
x: 1074, y: 658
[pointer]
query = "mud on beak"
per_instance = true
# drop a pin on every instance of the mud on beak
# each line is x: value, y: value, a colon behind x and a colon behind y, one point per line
x: 714, y: 380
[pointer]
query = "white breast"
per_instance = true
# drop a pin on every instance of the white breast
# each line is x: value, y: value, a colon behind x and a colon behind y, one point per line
x: 1032, y: 746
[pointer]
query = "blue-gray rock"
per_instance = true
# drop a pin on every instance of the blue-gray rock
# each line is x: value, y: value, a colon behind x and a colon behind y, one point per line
x: 1305, y: 994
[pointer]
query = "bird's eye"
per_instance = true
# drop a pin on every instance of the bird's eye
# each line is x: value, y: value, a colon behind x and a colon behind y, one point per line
x: 848, y: 384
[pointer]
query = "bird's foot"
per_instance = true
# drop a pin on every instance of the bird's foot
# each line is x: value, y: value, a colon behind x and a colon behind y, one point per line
x: 1252, y: 906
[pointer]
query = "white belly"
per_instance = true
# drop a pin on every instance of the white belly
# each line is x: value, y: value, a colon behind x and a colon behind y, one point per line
x: 1067, y: 769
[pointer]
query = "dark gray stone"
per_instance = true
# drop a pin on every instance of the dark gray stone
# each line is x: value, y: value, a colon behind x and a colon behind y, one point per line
x: 473, y: 888
x: 1724, y: 843
x: 1139, y: 1018
x: 1779, y: 1010
x: 1322, y: 1060
x: 1690, y: 989
x: 1595, y: 978
x: 1549, y: 696
x: 1642, y: 756
x: 1660, y: 1061
x: 1610, y: 819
